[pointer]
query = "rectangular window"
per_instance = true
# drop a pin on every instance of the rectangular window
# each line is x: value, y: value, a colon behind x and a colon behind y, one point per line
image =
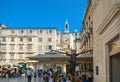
x: 49, y: 39
x: 3, y: 47
x: 3, y: 39
x: 12, y: 56
x: 20, y: 47
x: 12, y: 39
x: 12, y: 47
x: 30, y: 31
x: 21, y: 39
x: 39, y: 47
x: 21, y: 31
x: 2, y: 56
x: 50, y: 47
x: 20, y: 56
x: 40, y: 39
x: 50, y: 31
x: 29, y: 46
x: 30, y: 39
x: 40, y: 31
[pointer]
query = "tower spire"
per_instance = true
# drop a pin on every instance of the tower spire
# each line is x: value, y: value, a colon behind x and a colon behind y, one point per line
x: 66, y: 27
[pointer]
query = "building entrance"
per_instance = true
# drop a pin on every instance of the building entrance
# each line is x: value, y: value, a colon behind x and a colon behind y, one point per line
x: 115, y: 68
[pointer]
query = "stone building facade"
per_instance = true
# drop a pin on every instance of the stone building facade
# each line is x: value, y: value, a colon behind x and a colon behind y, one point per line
x: 105, y: 16
x: 16, y: 44
x: 106, y: 24
x: 86, y: 33
x: 86, y: 37
x: 19, y: 43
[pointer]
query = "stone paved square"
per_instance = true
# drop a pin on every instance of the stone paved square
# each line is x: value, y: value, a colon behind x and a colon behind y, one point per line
x: 19, y: 79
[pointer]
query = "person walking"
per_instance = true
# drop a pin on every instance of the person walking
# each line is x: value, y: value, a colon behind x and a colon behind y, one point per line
x: 39, y: 74
x: 63, y: 78
x: 29, y: 74
x: 89, y: 76
x: 51, y: 79
x: 83, y: 79
x: 35, y: 75
x: 68, y: 78
x: 46, y: 77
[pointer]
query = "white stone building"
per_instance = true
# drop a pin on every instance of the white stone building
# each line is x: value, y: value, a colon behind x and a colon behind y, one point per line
x: 16, y: 44
x: 19, y: 43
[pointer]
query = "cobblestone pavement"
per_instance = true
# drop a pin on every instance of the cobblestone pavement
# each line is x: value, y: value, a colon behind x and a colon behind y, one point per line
x: 19, y: 79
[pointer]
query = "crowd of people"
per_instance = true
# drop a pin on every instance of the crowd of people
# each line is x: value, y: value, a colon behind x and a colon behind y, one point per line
x: 54, y: 76
x: 50, y: 75
x: 9, y: 71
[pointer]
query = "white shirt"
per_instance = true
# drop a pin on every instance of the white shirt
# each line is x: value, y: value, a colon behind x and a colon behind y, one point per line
x: 51, y: 80
x: 68, y: 81
x: 89, y: 74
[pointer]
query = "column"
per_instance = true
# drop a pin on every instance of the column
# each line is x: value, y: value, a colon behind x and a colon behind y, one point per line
x: 64, y: 67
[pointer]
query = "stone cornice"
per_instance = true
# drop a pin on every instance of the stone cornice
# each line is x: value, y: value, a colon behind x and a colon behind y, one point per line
x: 87, y: 10
x: 94, y: 5
x: 112, y: 14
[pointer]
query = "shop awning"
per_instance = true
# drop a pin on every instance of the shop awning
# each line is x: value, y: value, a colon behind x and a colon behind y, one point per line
x: 58, y: 58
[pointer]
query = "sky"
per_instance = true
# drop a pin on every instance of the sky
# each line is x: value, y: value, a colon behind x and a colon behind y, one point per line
x: 42, y: 13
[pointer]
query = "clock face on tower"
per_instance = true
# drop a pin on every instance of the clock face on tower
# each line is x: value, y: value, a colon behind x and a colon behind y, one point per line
x: 66, y: 40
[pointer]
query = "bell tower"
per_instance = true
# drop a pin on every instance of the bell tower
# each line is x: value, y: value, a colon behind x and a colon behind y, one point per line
x: 66, y: 27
